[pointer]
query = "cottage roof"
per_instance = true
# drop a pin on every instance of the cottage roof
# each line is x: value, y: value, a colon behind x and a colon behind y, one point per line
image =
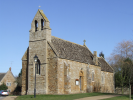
x: 104, y: 65
x: 72, y: 51
x: 2, y: 75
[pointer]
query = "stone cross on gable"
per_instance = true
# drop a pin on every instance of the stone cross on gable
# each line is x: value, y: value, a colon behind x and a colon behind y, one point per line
x: 84, y: 41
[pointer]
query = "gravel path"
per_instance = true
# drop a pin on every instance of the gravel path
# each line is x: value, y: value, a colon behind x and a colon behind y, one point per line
x: 10, y: 98
x: 98, y: 97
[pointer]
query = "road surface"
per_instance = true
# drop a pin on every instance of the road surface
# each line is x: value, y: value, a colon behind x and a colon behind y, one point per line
x: 1, y: 97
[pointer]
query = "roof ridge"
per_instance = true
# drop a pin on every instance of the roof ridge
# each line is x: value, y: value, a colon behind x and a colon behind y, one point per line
x: 68, y: 41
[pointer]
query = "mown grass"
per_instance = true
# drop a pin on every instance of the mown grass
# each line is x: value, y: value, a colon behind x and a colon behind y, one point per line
x: 123, y: 97
x: 59, y: 97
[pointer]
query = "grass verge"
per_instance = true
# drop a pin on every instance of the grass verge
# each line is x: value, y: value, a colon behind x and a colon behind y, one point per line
x: 59, y: 97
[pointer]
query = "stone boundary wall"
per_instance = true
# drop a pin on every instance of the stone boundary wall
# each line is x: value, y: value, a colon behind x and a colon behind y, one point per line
x: 119, y: 90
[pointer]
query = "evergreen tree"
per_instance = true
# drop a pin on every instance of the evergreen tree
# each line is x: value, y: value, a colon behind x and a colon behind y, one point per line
x: 20, y: 73
x: 3, y: 87
x: 101, y: 54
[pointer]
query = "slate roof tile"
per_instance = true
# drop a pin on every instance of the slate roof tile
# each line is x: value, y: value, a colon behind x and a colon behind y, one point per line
x: 2, y: 75
x: 104, y: 65
x: 72, y: 51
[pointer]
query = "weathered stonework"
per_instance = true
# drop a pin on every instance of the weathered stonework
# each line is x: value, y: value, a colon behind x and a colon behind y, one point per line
x: 52, y: 72
x: 108, y: 85
x: 25, y: 72
x: 61, y: 64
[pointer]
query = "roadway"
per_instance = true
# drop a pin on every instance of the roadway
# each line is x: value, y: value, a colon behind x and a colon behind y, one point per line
x: 2, y: 97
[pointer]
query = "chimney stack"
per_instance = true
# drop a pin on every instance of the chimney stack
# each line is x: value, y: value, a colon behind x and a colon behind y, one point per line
x: 10, y: 68
x: 95, y: 59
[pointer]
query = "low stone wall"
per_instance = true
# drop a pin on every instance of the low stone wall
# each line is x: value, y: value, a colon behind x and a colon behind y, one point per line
x: 119, y: 90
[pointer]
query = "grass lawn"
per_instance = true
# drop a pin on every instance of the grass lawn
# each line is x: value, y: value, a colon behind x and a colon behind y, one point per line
x: 124, y: 97
x: 59, y: 97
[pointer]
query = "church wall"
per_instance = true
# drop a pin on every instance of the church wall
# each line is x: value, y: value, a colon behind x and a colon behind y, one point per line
x: 108, y: 82
x: 52, y: 72
x: 39, y: 48
x: 90, y: 85
x: 95, y: 85
x: 25, y: 59
x: 40, y: 80
x: 73, y: 74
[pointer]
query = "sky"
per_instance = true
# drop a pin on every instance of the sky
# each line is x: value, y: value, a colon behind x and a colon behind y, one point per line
x: 102, y: 23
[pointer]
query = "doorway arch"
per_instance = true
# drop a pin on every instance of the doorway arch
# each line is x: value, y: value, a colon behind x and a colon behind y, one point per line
x: 81, y: 80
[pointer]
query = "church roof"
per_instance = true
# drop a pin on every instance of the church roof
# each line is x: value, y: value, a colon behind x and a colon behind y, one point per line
x: 72, y: 51
x: 43, y: 15
x: 104, y: 65
x: 2, y: 75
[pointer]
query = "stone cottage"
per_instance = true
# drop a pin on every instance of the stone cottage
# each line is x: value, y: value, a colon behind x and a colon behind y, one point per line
x: 63, y: 67
x: 8, y: 79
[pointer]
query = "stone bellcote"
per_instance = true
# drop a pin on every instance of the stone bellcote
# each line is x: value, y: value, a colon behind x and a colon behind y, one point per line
x: 40, y: 28
x: 40, y: 34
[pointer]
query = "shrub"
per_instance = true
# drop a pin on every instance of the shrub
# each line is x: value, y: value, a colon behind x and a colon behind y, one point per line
x: 3, y: 87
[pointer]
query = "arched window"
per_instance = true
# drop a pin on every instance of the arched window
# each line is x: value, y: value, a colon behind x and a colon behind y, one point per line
x: 102, y: 78
x: 36, y: 25
x: 92, y: 75
x: 38, y: 67
x: 42, y: 24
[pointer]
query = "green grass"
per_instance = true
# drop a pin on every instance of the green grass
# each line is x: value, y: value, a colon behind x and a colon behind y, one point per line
x: 59, y: 97
x: 123, y: 97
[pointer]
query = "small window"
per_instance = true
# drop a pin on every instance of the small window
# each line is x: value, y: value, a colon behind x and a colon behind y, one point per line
x: 102, y: 78
x: 8, y: 84
x: 92, y: 75
x: 38, y: 67
x: 36, y: 25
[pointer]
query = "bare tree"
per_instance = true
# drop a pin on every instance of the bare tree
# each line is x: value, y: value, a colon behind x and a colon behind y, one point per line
x: 118, y: 60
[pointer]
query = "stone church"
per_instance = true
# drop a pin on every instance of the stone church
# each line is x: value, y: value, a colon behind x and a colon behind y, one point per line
x: 63, y: 67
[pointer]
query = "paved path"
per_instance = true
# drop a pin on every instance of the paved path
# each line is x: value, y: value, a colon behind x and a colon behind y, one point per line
x: 10, y: 98
x: 1, y: 98
x: 98, y: 97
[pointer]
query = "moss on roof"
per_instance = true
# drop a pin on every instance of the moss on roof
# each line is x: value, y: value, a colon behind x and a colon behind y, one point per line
x: 43, y: 15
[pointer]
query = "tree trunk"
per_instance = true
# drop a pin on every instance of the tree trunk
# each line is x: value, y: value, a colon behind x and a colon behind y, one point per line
x: 122, y: 89
x: 129, y: 91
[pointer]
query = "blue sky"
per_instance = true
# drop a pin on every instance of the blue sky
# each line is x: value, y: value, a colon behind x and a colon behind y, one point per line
x: 102, y: 23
